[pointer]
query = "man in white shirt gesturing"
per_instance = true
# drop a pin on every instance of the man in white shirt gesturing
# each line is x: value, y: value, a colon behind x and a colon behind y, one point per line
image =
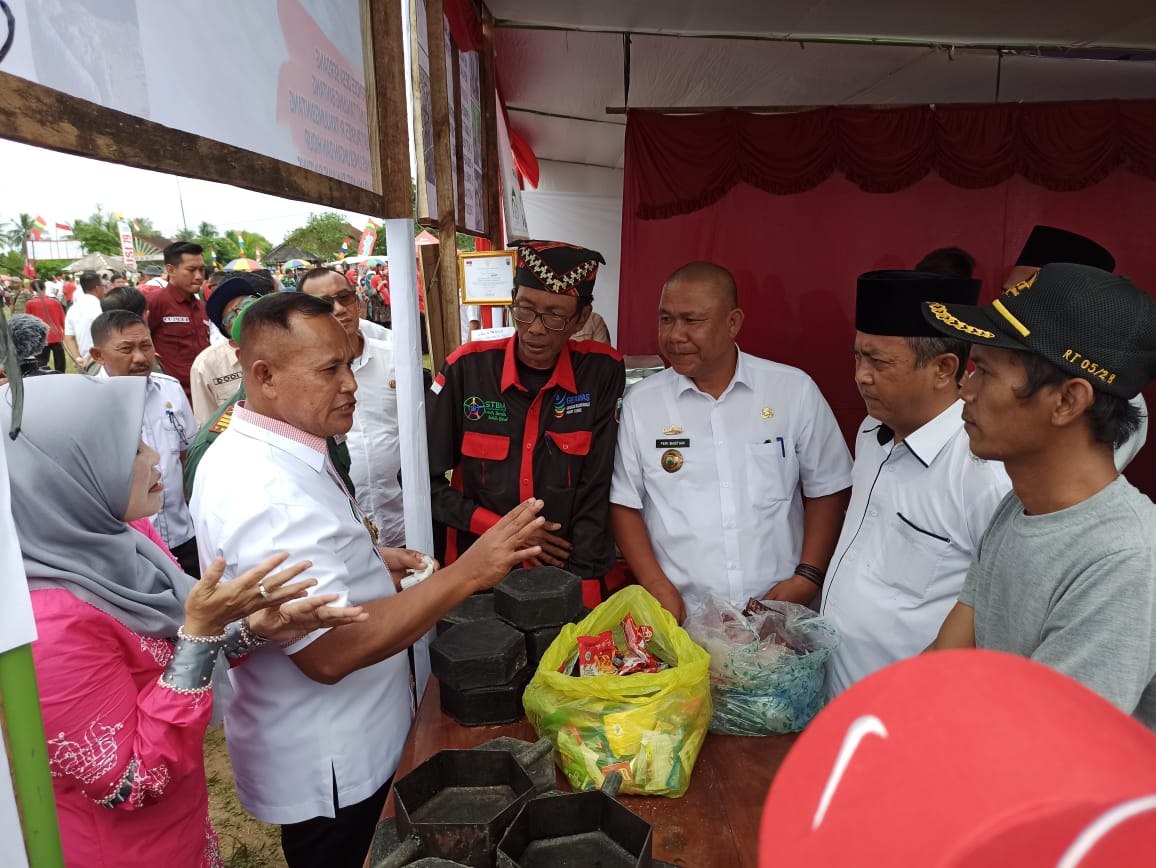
x: 316, y: 729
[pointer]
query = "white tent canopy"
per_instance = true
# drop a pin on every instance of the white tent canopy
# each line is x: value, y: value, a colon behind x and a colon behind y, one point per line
x: 562, y: 64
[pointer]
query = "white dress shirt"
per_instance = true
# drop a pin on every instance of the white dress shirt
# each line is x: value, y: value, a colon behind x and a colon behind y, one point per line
x: 214, y: 378
x: 79, y: 319
x: 918, y: 510
x: 729, y: 521
x: 169, y: 427
x: 370, y: 329
x: 374, y: 448
x: 263, y: 488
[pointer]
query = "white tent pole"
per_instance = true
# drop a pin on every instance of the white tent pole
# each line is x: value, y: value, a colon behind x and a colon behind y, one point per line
x: 411, y: 397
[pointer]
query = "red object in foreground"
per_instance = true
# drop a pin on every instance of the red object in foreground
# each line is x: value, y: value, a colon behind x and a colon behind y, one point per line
x: 965, y: 759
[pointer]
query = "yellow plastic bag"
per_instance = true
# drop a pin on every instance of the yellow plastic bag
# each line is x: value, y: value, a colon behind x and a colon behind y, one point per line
x: 649, y: 725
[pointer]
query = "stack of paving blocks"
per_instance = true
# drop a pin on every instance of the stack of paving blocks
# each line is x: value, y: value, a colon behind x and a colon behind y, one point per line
x: 488, y: 647
x: 539, y: 601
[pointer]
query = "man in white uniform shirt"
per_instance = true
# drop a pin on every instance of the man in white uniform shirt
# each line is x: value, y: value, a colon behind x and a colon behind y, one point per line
x: 316, y: 728
x: 1048, y: 244
x: 920, y: 500
x: 731, y: 474
x: 78, y: 321
x: 374, y: 447
x: 124, y: 348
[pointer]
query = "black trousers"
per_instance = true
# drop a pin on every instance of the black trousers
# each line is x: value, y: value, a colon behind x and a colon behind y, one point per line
x: 186, y: 555
x: 56, y: 350
x: 335, y: 842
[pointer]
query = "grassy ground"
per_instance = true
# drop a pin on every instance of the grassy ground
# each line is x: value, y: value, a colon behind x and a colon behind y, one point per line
x: 245, y: 842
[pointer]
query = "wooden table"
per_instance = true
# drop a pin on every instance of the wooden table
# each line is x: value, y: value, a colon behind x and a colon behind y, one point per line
x: 715, y: 824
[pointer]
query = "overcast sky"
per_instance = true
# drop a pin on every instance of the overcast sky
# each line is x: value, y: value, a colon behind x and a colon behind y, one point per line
x: 62, y: 188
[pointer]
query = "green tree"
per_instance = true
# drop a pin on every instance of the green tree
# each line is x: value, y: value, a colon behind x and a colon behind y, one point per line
x: 322, y: 234
x: 12, y: 263
x: 98, y: 234
x: 206, y: 230
x: 185, y: 234
x: 14, y: 234
x: 142, y: 226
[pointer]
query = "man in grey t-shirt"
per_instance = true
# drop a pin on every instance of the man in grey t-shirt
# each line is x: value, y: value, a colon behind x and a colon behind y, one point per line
x: 1066, y: 572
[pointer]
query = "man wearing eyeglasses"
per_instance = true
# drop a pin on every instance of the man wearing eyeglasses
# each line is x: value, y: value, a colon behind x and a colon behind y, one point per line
x: 374, y: 447
x: 533, y: 415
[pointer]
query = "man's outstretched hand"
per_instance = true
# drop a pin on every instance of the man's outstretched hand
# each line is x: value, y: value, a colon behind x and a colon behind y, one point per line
x: 503, y: 547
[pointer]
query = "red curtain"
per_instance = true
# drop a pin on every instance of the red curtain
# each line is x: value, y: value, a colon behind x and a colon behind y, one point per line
x: 679, y: 164
x: 796, y: 256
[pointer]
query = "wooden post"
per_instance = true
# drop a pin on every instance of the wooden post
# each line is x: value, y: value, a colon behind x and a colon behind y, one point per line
x: 442, y: 293
x: 385, y: 83
x: 492, y: 190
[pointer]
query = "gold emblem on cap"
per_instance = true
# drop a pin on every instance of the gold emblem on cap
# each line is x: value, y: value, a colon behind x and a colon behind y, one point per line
x: 768, y: 413
x: 393, y: 384
x: 671, y: 429
x: 671, y: 461
x: 1021, y: 286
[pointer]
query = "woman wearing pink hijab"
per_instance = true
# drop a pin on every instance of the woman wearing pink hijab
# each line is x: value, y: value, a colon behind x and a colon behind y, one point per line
x: 129, y: 648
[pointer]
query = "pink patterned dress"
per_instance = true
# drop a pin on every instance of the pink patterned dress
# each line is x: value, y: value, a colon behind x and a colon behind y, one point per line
x: 125, y: 751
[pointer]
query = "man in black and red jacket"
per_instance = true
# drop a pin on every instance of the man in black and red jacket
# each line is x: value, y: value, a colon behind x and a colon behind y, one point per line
x: 534, y: 415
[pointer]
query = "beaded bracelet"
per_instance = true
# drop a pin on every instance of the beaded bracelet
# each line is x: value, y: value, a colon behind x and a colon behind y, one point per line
x: 181, y: 634
x: 811, y: 573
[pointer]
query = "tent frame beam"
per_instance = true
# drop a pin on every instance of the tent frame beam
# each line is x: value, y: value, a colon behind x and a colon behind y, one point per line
x: 803, y: 40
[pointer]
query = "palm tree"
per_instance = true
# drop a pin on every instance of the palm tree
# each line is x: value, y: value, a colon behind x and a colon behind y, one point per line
x: 17, y: 232
x: 206, y: 230
x: 185, y: 234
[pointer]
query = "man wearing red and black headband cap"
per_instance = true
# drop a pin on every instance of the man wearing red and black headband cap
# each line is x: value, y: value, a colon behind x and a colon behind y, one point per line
x: 1064, y: 573
x: 920, y: 501
x: 534, y: 415
x: 1048, y: 244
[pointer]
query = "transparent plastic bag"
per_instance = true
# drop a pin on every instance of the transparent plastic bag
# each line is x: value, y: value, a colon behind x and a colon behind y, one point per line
x: 649, y: 725
x: 766, y: 668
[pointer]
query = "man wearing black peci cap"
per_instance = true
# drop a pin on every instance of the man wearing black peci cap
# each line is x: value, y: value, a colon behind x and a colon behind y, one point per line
x: 920, y: 501
x: 1065, y: 572
x: 534, y: 415
x: 1048, y: 244
x: 216, y: 374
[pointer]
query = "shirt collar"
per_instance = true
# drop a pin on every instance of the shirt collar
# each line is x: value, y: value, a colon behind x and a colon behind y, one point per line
x: 742, y: 375
x: 563, y: 374
x: 308, y: 447
x: 926, y: 441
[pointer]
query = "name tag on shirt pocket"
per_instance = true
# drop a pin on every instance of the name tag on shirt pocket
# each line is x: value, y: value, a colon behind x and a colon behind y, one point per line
x: 488, y: 447
x: 572, y: 442
x: 923, y: 553
x: 774, y: 473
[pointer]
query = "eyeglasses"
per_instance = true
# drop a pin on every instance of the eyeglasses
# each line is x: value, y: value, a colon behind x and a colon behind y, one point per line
x: 231, y: 317
x: 554, y: 322
x: 345, y: 298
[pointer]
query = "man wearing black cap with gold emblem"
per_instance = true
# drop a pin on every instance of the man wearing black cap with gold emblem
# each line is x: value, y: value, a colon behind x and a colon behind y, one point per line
x: 1048, y: 244
x: 1065, y: 573
x: 534, y: 415
x: 920, y: 501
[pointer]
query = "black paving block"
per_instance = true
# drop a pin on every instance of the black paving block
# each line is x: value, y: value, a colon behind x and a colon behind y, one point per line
x: 478, y: 654
x: 478, y: 607
x: 537, y: 641
x: 487, y: 706
x: 538, y: 597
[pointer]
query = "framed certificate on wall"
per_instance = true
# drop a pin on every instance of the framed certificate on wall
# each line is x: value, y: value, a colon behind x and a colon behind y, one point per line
x: 488, y: 277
